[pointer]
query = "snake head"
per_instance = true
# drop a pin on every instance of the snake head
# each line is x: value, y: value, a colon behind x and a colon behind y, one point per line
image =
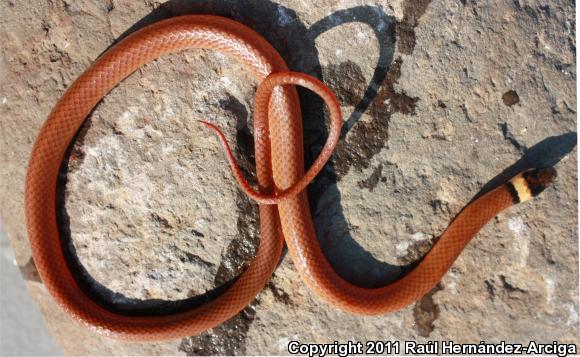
x: 538, y: 179
x: 531, y: 183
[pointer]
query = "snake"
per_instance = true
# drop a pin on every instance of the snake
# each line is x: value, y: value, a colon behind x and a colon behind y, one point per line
x: 281, y: 180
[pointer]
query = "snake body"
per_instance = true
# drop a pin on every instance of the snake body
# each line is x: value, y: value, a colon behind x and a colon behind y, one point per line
x: 281, y: 180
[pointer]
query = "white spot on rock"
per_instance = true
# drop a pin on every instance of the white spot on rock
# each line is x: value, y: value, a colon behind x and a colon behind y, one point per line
x: 283, y: 343
x: 226, y: 81
x: 550, y: 284
x: 419, y: 236
x: 573, y: 317
x: 201, y: 224
x: 220, y: 56
x: 516, y: 225
x: 402, y: 247
x: 451, y: 282
x: 167, y: 149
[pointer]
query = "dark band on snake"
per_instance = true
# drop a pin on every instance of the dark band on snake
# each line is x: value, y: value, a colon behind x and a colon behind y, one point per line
x: 513, y: 192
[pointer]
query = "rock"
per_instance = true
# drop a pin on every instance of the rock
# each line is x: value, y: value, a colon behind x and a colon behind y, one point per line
x: 438, y: 99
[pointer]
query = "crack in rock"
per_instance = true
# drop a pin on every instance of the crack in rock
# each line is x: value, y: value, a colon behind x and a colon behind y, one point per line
x: 426, y: 312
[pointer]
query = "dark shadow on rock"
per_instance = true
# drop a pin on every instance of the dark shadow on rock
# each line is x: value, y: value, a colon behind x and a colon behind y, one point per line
x: 352, y: 262
x: 383, y: 28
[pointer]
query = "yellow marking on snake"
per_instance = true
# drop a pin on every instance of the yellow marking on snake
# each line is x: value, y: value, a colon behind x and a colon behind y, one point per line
x: 521, y: 186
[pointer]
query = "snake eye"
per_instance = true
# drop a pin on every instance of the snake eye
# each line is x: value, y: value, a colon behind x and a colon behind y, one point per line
x: 538, y: 179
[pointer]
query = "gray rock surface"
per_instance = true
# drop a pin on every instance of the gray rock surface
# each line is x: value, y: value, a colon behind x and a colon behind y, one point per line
x: 440, y: 99
x: 19, y: 317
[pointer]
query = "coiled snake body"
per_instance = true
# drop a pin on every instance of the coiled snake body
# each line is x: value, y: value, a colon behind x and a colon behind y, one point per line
x: 284, y: 211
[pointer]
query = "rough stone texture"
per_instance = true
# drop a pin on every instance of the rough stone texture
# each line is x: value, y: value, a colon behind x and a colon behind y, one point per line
x: 441, y: 99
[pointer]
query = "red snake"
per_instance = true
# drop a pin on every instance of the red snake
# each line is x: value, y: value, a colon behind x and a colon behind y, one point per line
x: 284, y: 212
